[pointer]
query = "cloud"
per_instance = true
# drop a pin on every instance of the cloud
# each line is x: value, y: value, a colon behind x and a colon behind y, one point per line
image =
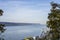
x: 22, y: 14
x: 24, y: 11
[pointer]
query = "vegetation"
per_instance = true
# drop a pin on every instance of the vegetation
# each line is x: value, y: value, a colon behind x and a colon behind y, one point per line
x: 29, y: 38
x: 1, y: 26
x: 53, y: 23
x: 1, y: 12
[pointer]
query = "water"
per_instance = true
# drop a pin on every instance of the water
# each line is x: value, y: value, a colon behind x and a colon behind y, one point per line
x: 20, y: 32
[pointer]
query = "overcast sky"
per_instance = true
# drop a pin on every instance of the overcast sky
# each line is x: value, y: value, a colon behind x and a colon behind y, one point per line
x: 26, y: 11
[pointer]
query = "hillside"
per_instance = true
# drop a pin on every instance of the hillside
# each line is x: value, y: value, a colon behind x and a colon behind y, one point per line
x: 18, y: 24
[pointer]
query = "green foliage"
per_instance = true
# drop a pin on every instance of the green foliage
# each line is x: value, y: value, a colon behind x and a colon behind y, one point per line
x: 29, y: 38
x: 1, y: 12
x: 54, y: 23
x: 1, y: 26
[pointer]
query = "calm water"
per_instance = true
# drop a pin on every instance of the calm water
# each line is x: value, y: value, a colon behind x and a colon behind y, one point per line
x: 20, y: 32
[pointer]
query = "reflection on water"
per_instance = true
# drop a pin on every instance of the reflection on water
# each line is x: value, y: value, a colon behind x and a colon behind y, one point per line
x: 20, y: 32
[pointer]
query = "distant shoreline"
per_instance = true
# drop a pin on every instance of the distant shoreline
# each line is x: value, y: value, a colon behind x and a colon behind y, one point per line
x: 18, y: 24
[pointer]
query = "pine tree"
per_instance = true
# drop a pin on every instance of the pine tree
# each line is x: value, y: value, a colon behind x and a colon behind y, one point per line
x: 54, y: 21
x: 1, y: 25
x: 2, y: 29
x: 1, y: 12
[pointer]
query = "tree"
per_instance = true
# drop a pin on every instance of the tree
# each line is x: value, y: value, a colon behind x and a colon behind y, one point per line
x: 1, y: 25
x: 54, y: 21
x: 1, y: 12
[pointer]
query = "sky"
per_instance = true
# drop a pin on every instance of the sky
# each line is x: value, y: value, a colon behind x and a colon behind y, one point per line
x: 25, y: 11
